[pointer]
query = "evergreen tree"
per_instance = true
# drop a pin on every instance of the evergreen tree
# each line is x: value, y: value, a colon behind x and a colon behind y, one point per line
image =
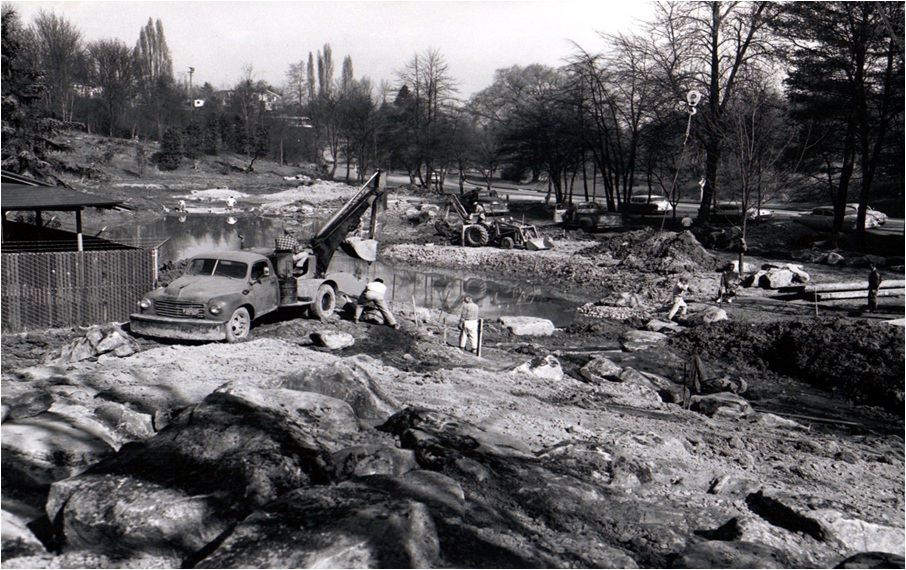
x: 27, y: 136
x: 171, y: 150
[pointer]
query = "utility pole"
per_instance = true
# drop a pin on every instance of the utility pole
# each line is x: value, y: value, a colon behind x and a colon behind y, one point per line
x: 191, y: 72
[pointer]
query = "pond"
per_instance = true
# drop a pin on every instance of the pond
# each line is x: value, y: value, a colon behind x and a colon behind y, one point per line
x: 180, y: 237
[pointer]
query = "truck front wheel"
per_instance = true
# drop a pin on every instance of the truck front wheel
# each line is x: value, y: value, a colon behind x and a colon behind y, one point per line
x: 325, y: 302
x: 238, y: 327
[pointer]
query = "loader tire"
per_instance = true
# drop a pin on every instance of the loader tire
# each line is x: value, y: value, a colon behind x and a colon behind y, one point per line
x: 476, y: 236
x: 507, y: 243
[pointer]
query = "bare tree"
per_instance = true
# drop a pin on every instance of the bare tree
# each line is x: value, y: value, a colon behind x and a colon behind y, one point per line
x: 710, y: 45
x: 432, y: 89
x: 111, y: 68
x: 57, y: 50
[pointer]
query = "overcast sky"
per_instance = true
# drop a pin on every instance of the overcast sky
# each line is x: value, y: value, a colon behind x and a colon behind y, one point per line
x: 219, y: 39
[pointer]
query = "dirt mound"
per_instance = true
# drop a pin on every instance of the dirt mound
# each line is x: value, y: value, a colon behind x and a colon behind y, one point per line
x: 860, y: 360
x: 650, y: 250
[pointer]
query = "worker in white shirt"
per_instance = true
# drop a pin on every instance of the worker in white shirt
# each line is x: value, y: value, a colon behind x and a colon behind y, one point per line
x: 373, y: 294
x: 468, y: 325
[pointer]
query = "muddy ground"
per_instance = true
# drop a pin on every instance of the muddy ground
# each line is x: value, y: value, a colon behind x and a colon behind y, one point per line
x: 820, y: 447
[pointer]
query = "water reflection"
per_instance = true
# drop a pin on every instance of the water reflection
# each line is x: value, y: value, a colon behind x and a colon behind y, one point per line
x: 184, y: 236
x: 436, y: 290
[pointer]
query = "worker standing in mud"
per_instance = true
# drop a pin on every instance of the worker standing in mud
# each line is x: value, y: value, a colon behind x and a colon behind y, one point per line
x: 373, y: 294
x: 679, y: 303
x: 874, y: 283
x: 468, y: 325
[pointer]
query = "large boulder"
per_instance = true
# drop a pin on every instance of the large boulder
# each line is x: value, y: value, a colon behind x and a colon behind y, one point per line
x: 527, y: 326
x: 329, y: 419
x: 826, y: 524
x: 429, y: 433
x: 543, y: 367
x: 636, y: 340
x: 631, y: 389
x: 332, y: 340
x: 371, y: 459
x: 17, y: 539
x: 731, y: 554
x: 40, y: 450
x: 350, y: 525
x: 348, y: 380
x: 120, y: 515
x: 600, y: 369
x: 706, y: 316
x: 215, y: 462
x: 873, y: 560
x: 722, y: 404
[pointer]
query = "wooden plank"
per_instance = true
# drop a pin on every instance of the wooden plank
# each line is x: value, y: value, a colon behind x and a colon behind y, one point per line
x: 860, y: 294
x: 852, y: 286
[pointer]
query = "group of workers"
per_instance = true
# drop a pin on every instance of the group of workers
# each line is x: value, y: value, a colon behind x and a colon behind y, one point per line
x: 295, y: 256
x: 729, y: 281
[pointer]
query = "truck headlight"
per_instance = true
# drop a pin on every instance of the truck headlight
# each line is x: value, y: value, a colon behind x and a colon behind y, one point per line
x: 215, y: 308
x: 144, y: 304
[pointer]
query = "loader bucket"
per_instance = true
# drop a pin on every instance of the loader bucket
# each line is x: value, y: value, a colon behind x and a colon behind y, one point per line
x: 359, y: 248
x: 536, y: 244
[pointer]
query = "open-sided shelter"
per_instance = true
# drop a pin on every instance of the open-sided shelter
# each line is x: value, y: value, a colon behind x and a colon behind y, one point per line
x: 53, y: 278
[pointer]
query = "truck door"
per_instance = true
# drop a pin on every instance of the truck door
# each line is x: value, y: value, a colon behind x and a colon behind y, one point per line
x: 265, y: 287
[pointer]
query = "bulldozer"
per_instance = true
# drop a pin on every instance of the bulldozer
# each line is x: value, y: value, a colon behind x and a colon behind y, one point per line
x: 478, y: 231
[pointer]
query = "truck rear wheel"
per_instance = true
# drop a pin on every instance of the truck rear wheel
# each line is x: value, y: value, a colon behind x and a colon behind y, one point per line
x: 325, y: 302
x: 476, y: 236
x: 238, y: 327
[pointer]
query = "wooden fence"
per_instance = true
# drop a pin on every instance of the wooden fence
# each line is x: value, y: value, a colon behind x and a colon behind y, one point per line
x: 66, y: 289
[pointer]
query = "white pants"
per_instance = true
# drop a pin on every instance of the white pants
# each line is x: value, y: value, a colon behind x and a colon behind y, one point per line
x: 678, y: 305
x: 469, y: 332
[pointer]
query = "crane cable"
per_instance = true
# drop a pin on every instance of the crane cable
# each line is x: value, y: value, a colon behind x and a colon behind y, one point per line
x: 692, y: 99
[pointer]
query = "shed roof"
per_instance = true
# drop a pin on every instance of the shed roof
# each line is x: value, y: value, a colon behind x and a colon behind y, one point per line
x: 50, y: 198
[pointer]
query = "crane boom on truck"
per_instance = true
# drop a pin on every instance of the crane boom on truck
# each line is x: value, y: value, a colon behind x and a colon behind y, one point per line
x: 222, y: 293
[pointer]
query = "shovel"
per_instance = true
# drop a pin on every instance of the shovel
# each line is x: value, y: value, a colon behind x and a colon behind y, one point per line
x: 536, y: 244
x: 365, y: 249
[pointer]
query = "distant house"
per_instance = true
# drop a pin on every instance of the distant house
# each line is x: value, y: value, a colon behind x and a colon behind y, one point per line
x: 268, y: 98
x: 52, y: 277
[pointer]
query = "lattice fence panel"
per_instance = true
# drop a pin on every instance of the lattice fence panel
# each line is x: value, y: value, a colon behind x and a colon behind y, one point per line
x: 56, y: 290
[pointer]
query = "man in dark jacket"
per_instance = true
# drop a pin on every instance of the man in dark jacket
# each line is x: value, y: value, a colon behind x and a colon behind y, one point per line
x: 874, y: 283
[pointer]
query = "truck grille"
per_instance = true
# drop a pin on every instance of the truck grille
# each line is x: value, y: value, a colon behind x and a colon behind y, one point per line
x: 179, y: 310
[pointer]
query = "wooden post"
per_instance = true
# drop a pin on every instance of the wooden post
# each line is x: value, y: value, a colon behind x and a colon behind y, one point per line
x: 78, y: 223
x: 480, y: 337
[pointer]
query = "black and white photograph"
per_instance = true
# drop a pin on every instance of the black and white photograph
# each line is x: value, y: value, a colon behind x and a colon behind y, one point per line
x: 452, y: 284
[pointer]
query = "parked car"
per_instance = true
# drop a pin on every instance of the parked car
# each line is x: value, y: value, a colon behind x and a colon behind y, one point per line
x: 870, y: 212
x: 822, y: 218
x: 589, y: 216
x: 490, y: 200
x: 731, y: 211
x: 645, y: 204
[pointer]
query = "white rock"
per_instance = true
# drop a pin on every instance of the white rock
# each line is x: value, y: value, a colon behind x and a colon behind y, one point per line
x: 527, y: 326
x: 547, y: 368
x: 334, y: 340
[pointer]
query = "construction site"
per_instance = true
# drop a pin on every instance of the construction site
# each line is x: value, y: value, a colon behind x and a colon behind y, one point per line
x: 765, y: 431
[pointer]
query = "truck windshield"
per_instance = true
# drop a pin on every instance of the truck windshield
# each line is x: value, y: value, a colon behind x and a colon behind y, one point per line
x: 218, y: 267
